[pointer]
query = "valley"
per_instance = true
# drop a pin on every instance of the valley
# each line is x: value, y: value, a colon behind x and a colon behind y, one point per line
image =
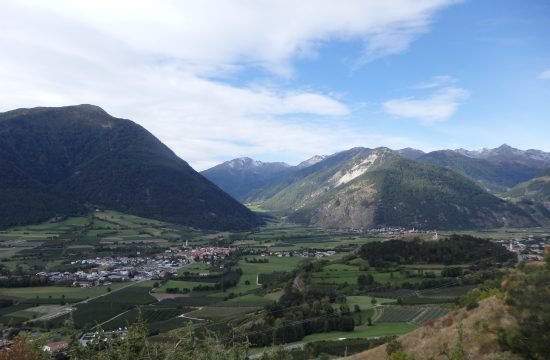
x: 105, y: 233
x: 106, y: 269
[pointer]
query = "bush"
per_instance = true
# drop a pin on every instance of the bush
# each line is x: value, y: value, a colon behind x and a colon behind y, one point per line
x: 472, y: 305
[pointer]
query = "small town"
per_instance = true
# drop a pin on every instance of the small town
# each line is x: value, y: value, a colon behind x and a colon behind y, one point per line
x: 106, y: 270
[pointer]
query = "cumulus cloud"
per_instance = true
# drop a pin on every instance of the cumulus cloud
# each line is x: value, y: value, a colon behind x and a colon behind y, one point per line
x: 545, y: 75
x: 439, y: 106
x: 170, y: 66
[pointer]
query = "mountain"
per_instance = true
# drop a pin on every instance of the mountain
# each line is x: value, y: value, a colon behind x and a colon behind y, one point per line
x: 311, y: 161
x: 361, y: 188
x: 411, y: 153
x: 497, y: 170
x: 248, y: 180
x: 536, y: 189
x: 60, y: 161
x: 506, y: 152
x: 239, y: 176
x: 534, y: 197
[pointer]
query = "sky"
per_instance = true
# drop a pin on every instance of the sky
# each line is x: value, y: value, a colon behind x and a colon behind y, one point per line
x: 283, y: 80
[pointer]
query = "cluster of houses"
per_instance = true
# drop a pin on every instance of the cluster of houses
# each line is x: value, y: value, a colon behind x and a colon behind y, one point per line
x: 98, y: 336
x: 302, y: 253
x: 105, y: 270
x: 529, y: 247
x: 116, y: 269
x: 386, y: 230
x: 206, y: 254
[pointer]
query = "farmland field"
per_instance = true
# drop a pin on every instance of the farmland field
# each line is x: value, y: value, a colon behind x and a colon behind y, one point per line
x: 220, y: 312
x: 413, y: 314
x: 180, y: 285
x: 404, y: 297
x: 151, y: 314
x: 251, y: 270
x: 57, y: 292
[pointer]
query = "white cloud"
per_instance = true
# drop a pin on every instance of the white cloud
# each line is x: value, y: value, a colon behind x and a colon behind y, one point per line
x: 156, y: 63
x: 545, y: 75
x: 436, y: 82
x: 439, y: 106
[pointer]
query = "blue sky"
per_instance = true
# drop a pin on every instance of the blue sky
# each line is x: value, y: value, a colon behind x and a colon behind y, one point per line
x: 281, y: 80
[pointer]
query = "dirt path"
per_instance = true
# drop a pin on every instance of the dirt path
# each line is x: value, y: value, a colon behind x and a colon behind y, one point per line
x: 191, y: 318
x: 114, y: 317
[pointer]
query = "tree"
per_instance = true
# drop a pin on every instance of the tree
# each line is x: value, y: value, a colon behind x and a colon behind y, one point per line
x: 527, y: 293
x: 23, y: 349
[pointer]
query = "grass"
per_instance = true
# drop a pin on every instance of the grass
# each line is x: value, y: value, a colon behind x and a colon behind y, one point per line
x: 377, y: 330
x: 251, y: 299
x: 380, y: 329
x: 180, y: 284
x: 199, y: 267
x: 251, y: 270
x: 341, y: 274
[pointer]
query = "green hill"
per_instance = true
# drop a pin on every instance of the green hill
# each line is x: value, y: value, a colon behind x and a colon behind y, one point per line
x: 534, y: 197
x: 63, y: 160
x: 496, y: 174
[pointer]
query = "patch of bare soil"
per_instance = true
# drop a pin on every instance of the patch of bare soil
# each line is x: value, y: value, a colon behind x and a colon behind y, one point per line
x: 164, y: 296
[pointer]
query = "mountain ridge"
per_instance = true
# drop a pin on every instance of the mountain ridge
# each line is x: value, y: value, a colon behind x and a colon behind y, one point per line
x: 361, y: 188
x: 85, y: 155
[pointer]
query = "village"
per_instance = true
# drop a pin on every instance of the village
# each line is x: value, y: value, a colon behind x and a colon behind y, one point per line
x: 111, y: 269
x: 529, y: 247
x: 106, y: 270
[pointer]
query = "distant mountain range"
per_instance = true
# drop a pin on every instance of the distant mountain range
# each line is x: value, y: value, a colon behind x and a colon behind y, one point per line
x: 372, y: 187
x: 238, y: 176
x: 497, y: 170
x: 67, y: 160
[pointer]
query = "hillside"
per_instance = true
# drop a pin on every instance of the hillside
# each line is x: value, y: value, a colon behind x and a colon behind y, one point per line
x: 375, y: 187
x: 60, y: 161
x: 436, y: 340
x: 497, y: 173
x: 534, y: 197
x: 536, y: 189
x: 238, y: 177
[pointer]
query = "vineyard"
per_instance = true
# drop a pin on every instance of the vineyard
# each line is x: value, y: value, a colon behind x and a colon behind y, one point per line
x: 446, y: 292
x: 412, y: 314
x: 152, y: 315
